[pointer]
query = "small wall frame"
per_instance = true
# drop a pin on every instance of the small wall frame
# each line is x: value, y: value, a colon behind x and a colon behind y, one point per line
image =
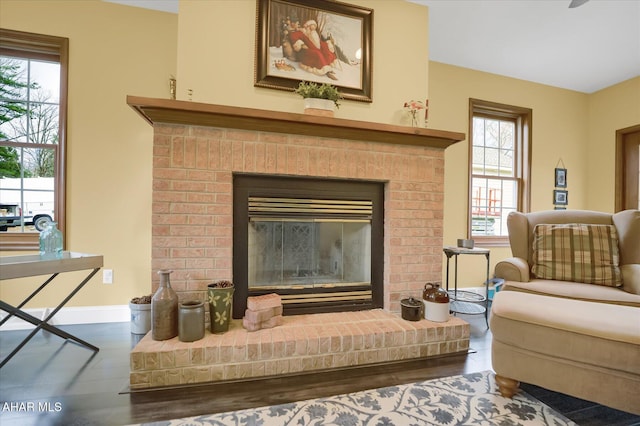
x: 560, y: 178
x: 560, y: 197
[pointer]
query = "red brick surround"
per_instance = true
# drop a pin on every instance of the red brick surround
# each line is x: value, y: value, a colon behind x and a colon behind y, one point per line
x: 192, y: 199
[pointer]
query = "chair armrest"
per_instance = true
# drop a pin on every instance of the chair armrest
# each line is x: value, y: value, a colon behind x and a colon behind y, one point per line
x: 513, y: 269
x: 631, y: 278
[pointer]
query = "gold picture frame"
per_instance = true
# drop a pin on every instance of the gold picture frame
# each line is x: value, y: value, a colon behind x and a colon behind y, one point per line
x: 314, y: 40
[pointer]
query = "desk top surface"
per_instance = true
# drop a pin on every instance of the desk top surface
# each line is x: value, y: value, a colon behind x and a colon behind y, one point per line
x: 31, y: 265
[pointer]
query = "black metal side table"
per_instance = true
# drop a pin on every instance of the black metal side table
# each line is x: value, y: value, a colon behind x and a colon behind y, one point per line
x: 467, y: 302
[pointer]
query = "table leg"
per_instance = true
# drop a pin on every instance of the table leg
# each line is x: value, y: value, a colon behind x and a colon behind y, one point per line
x: 31, y: 296
x: 448, y: 258
x: 486, y: 292
x: 43, y: 324
x: 455, y: 280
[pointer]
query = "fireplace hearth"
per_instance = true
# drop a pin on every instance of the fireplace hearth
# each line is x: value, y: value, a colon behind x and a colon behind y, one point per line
x: 318, y: 243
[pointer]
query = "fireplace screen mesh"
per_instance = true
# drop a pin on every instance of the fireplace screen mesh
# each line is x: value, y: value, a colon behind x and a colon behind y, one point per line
x: 297, y: 253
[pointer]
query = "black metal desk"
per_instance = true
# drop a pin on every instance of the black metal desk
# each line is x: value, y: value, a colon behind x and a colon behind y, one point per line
x: 467, y: 302
x: 35, y: 265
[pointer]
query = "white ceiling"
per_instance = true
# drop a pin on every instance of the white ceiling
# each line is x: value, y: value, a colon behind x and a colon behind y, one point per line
x: 585, y: 49
x: 161, y: 5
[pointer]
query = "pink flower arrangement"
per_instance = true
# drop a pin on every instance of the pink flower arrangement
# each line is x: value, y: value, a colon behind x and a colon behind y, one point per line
x: 413, y: 107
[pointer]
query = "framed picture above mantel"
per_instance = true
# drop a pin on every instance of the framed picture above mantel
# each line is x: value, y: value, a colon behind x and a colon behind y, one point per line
x: 314, y: 40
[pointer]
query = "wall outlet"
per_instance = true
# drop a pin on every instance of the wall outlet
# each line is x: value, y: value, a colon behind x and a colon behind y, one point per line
x: 107, y: 276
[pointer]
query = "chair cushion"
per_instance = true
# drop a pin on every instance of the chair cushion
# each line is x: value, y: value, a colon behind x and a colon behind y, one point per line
x: 584, y: 253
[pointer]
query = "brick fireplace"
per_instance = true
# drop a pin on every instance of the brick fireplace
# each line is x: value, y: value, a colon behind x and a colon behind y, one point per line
x: 197, y: 149
x: 195, y: 157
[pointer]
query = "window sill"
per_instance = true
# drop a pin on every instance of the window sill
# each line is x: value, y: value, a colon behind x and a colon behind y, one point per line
x: 491, y: 241
x: 10, y: 241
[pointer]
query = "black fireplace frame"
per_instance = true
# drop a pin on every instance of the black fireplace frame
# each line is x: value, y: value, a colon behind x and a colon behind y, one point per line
x: 256, y: 185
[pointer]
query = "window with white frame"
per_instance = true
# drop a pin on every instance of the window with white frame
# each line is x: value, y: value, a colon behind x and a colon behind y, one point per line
x: 33, y: 103
x: 499, y: 152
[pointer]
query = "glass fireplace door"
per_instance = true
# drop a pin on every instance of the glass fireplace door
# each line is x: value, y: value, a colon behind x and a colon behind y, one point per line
x: 308, y: 253
x: 317, y: 243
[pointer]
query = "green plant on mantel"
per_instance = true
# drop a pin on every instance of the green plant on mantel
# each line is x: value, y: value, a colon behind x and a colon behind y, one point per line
x: 308, y: 89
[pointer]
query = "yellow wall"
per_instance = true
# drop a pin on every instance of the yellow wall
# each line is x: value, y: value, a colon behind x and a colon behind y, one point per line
x: 216, y: 58
x: 114, y: 51
x: 559, y: 132
x: 575, y: 127
x: 610, y: 109
x: 117, y: 51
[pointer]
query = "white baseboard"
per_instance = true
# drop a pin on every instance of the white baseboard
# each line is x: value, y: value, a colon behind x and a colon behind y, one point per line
x: 71, y: 315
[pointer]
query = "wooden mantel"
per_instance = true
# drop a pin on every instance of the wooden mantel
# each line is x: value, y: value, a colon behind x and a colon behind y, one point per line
x: 155, y: 110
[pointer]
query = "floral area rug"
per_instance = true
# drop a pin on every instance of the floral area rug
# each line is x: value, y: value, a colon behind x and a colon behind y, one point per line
x: 470, y: 399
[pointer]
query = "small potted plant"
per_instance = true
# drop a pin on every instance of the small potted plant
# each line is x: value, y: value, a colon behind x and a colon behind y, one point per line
x: 140, y: 314
x: 319, y: 99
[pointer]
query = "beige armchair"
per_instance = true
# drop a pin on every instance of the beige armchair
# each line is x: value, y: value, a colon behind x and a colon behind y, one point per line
x: 516, y: 271
x: 580, y: 337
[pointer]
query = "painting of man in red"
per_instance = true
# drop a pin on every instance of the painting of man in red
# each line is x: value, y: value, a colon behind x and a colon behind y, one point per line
x: 316, y: 55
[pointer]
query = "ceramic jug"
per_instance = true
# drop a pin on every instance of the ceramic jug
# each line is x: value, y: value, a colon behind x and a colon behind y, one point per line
x: 164, y: 310
x: 428, y: 289
x: 436, y: 303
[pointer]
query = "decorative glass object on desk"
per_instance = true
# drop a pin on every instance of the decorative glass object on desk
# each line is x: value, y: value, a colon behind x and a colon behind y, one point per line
x: 51, y: 241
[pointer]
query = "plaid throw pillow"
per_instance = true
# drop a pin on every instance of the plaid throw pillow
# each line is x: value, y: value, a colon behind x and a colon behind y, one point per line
x: 577, y: 252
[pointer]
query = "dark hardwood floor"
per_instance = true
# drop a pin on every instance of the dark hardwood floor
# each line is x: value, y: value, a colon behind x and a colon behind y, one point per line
x: 53, y: 382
